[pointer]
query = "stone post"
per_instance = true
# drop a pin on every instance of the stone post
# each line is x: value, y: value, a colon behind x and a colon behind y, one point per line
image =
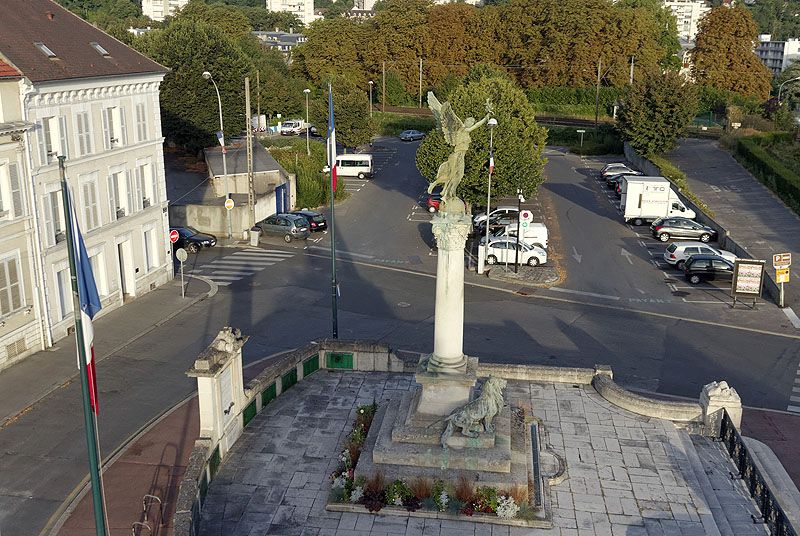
x: 451, y: 232
x: 220, y: 388
x: 715, y: 397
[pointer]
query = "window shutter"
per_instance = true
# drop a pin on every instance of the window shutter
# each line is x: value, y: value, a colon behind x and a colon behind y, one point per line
x: 14, y: 286
x: 88, y: 222
x: 139, y: 177
x: 18, y: 208
x: 42, y: 145
x: 123, y: 127
x: 49, y: 228
x: 79, y: 131
x: 153, y: 178
x: 62, y: 132
x: 112, y: 198
x: 131, y: 193
x: 87, y: 129
x: 5, y: 306
x: 106, y: 130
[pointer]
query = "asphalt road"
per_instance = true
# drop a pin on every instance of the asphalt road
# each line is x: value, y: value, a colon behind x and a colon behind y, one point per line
x: 385, y: 270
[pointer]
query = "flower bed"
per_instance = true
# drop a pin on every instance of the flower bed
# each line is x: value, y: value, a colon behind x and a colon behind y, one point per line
x: 426, y: 495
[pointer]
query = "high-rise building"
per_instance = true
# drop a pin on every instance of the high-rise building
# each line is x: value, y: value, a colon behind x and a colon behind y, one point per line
x: 777, y: 55
x: 161, y: 9
x: 688, y: 14
x: 304, y: 9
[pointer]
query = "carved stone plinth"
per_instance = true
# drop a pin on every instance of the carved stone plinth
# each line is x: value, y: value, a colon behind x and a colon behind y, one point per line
x: 444, y: 392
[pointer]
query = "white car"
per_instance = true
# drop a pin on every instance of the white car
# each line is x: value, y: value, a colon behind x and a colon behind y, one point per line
x: 503, y: 250
x: 499, y: 211
x: 677, y: 253
x: 623, y: 170
x: 613, y: 165
x: 534, y: 234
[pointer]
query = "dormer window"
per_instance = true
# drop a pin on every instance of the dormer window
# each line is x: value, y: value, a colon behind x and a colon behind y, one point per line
x: 99, y: 48
x: 45, y: 50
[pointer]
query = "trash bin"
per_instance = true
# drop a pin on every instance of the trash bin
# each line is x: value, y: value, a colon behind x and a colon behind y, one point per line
x: 255, y: 234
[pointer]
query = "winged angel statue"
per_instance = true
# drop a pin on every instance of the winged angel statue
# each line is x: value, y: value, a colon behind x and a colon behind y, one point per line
x: 456, y: 133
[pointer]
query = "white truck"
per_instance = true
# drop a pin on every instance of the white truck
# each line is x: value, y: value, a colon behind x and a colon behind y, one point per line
x: 533, y: 234
x: 645, y: 199
x: 294, y: 127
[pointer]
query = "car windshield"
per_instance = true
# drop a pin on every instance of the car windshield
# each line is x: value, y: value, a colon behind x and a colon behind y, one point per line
x: 318, y: 218
x: 671, y: 248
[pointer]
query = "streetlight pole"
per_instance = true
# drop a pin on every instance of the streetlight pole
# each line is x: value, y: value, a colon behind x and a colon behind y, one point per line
x: 491, y: 123
x: 370, y: 98
x: 780, y: 88
x: 207, y: 76
x: 519, y: 211
x: 308, y: 127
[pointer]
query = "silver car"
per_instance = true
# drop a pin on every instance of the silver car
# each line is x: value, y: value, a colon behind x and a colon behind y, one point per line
x: 411, y: 135
x: 289, y: 226
x: 677, y: 253
x: 679, y: 227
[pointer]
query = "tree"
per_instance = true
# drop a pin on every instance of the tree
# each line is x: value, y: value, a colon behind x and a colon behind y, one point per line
x: 189, y: 102
x: 518, y: 142
x: 656, y: 111
x: 351, y: 113
x: 266, y: 21
x: 334, y: 47
x: 724, y: 57
x: 230, y: 20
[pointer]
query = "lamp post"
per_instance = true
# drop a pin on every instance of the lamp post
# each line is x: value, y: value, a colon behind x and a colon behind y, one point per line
x: 491, y: 123
x: 207, y: 76
x: 370, y: 98
x: 780, y: 88
x: 308, y: 127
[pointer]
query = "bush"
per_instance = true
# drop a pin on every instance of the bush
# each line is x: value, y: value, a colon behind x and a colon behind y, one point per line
x: 390, y: 124
x: 313, y: 186
x: 605, y: 140
x: 785, y: 182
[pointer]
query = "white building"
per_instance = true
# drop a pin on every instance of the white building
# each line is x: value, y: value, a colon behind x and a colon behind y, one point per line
x: 304, y: 9
x: 688, y: 14
x: 89, y: 97
x: 777, y: 55
x: 161, y: 9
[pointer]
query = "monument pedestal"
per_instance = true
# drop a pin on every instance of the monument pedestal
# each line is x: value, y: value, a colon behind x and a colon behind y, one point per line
x: 443, y: 393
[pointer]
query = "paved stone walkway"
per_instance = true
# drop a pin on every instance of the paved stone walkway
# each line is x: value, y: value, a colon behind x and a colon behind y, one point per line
x: 627, y: 475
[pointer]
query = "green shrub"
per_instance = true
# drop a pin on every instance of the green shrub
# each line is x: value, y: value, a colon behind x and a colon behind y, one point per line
x: 390, y: 124
x: 605, y: 140
x: 753, y: 154
x: 313, y: 186
x: 677, y: 177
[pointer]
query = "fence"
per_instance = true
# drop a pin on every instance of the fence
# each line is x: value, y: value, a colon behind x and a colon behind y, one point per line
x: 771, y: 511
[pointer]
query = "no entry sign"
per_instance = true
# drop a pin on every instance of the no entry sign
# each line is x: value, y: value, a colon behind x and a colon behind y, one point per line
x: 173, y: 236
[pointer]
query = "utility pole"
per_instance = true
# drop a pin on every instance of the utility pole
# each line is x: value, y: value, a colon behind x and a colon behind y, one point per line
x: 420, y: 82
x: 597, y: 95
x: 251, y: 193
x: 258, y: 98
x: 632, y: 70
x: 383, y: 89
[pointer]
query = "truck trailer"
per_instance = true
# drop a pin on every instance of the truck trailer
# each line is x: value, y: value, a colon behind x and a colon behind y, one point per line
x: 645, y: 199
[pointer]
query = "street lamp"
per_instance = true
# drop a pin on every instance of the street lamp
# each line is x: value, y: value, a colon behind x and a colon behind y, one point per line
x: 780, y: 88
x: 491, y: 123
x: 308, y: 127
x: 370, y: 98
x: 207, y: 76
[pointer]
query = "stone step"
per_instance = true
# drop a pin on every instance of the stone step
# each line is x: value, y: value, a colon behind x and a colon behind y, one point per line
x: 697, y: 481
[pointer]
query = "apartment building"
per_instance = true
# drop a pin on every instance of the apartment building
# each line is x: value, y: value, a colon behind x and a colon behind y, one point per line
x: 777, y: 55
x: 688, y: 14
x: 83, y: 94
x: 161, y: 9
x: 304, y: 9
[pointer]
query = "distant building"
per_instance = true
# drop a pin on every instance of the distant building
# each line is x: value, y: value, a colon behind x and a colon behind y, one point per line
x: 137, y: 32
x: 304, y: 9
x: 688, y: 14
x: 363, y: 5
x: 161, y: 9
x: 777, y: 55
x: 283, y: 41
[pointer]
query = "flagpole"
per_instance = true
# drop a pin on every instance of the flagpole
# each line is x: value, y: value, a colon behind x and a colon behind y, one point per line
x: 332, y: 165
x: 88, y: 417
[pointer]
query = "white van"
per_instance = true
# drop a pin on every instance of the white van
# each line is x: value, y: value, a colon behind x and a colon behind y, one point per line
x: 535, y: 234
x: 354, y: 165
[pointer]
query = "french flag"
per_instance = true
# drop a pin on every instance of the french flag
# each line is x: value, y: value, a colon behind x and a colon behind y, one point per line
x: 331, y: 139
x: 89, y: 301
x: 491, y: 162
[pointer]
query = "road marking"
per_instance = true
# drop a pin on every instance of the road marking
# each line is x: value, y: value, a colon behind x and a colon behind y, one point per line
x: 224, y: 278
x: 268, y: 252
x: 235, y: 264
x: 794, y: 398
x: 232, y: 272
x: 792, y: 316
x: 363, y: 256
x: 584, y: 293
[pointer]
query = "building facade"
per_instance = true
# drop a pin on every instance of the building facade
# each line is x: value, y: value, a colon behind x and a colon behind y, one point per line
x: 688, y: 14
x: 777, y: 55
x: 90, y: 98
x: 304, y: 9
x: 161, y: 9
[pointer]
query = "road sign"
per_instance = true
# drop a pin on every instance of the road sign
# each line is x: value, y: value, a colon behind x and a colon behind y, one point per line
x: 581, y: 131
x: 526, y: 216
x: 524, y: 224
x: 173, y: 236
x: 782, y: 260
x: 229, y: 204
x: 782, y: 275
x: 180, y: 254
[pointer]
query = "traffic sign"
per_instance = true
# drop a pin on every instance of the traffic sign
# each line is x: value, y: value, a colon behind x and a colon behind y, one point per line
x: 173, y: 236
x: 782, y: 260
x: 526, y: 216
x: 229, y: 203
x: 580, y: 131
x: 782, y: 275
x: 524, y: 224
x: 180, y: 254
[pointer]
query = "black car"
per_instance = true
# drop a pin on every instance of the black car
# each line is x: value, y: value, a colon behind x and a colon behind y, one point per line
x: 707, y: 268
x: 496, y: 221
x: 192, y: 240
x: 316, y: 221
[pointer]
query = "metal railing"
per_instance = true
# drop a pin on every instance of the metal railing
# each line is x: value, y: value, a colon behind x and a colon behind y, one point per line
x: 771, y: 512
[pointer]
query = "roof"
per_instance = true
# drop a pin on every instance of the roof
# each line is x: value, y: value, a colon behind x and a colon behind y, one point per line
x: 25, y: 23
x: 237, y: 159
x: 8, y: 71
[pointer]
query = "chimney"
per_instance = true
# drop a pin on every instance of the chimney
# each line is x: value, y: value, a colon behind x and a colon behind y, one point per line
x: 50, y: 15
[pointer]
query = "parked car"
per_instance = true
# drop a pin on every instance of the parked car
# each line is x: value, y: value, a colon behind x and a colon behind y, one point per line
x: 495, y: 222
x: 289, y: 226
x: 316, y: 221
x: 411, y: 135
x: 293, y: 127
x: 679, y: 227
x: 707, y: 268
x: 505, y: 250
x: 534, y: 234
x: 613, y: 180
x: 613, y: 165
x: 433, y: 202
x: 677, y: 253
x: 498, y: 211
x: 192, y: 240
x: 618, y: 170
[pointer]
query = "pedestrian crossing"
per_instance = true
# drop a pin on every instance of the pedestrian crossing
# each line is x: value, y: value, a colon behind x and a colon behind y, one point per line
x: 794, y: 398
x: 244, y: 263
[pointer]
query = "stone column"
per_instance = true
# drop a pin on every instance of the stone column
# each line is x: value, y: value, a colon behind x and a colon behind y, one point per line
x: 715, y: 397
x: 451, y: 232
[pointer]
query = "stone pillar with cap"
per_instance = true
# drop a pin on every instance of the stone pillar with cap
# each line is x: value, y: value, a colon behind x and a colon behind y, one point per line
x: 715, y: 397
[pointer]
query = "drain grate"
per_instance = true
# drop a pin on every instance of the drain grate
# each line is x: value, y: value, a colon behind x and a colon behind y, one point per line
x: 537, y: 470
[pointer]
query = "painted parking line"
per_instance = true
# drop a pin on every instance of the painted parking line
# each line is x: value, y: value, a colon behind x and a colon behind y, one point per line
x: 792, y: 316
x: 584, y: 293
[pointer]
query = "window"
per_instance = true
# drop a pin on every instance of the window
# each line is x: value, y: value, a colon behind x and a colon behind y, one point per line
x: 45, y: 50
x: 54, y: 223
x: 120, y: 192
x: 141, y: 122
x: 11, y: 200
x: 64, y: 293
x: 115, y: 132
x: 96, y: 260
x: 84, y: 132
x: 150, y: 251
x: 52, y: 139
x: 99, y: 48
x: 91, y: 212
x: 10, y: 288
x: 721, y: 266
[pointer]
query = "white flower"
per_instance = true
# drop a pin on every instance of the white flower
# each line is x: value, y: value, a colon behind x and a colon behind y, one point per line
x: 339, y: 482
x: 356, y: 494
x: 443, y: 500
x: 506, y: 507
x: 398, y: 501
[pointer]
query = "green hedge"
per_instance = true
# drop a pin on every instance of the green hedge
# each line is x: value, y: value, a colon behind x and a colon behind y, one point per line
x: 677, y: 177
x: 390, y: 124
x: 313, y: 186
x: 559, y: 95
x: 605, y: 140
x: 750, y: 152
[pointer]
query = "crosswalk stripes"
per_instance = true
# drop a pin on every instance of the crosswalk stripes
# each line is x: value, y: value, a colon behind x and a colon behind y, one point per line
x: 794, y: 399
x: 244, y: 263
